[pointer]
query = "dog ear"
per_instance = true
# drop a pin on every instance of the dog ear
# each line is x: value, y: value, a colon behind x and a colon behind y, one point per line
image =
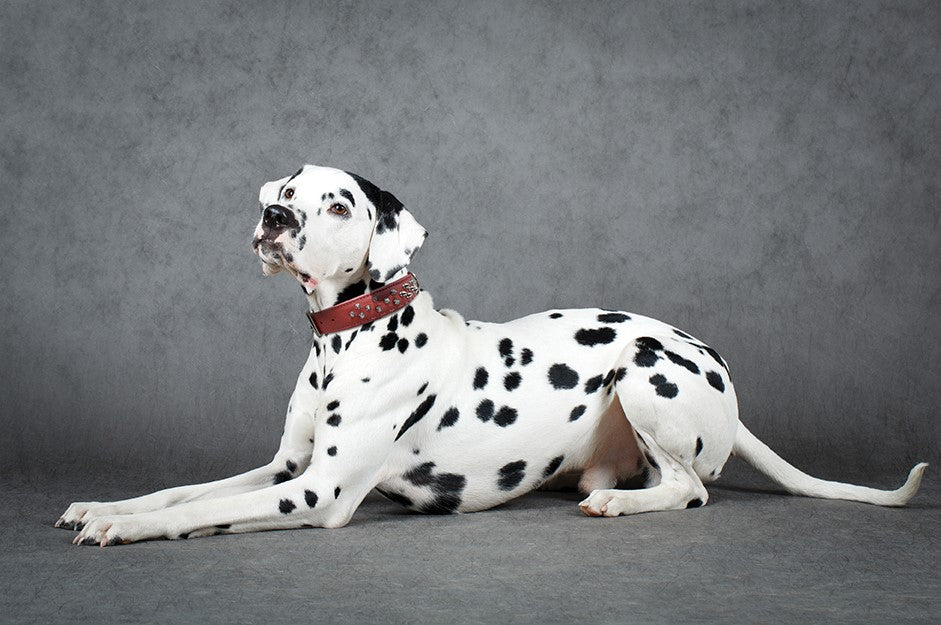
x: 270, y: 192
x: 396, y: 235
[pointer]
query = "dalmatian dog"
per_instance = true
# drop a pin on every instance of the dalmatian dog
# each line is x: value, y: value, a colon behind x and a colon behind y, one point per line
x: 444, y: 415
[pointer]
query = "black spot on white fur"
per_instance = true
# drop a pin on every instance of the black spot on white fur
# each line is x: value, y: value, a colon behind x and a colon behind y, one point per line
x: 449, y: 418
x: 561, y: 376
x: 505, y: 416
x: 286, y: 506
x: 595, y: 336
x: 715, y: 380
x: 480, y: 378
x: 664, y: 387
x: 683, y: 362
x: 511, y: 474
x: 613, y: 317
x: 553, y: 466
x: 512, y: 381
x: 577, y: 412
x: 485, y: 410
x: 417, y: 415
x: 446, y: 487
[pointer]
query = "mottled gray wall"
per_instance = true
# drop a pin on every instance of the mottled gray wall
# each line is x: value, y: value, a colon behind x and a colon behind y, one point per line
x: 762, y: 174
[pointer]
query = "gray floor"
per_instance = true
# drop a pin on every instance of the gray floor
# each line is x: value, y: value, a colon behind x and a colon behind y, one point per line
x: 750, y: 556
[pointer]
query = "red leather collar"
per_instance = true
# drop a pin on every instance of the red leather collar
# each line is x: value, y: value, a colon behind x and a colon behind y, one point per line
x: 365, y: 308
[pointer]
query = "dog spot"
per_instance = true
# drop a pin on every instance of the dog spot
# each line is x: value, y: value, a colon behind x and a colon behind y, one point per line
x: 422, y: 388
x: 416, y: 451
x: 511, y: 474
x: 619, y: 374
x: 398, y: 498
x: 327, y: 379
x: 334, y: 420
x: 417, y: 415
x: 302, y: 242
x: 393, y: 323
x: 505, y: 416
x: 332, y: 451
x: 317, y: 347
x: 480, y: 378
x: 613, y: 317
x: 485, y: 410
x: 407, y: 315
x: 715, y: 380
x: 286, y: 505
x: 592, y: 384
x: 388, y: 341
x: 348, y: 270
x: 348, y: 196
x: 336, y: 492
x: 333, y: 405
x: 508, y: 361
x: 421, y: 339
x: 715, y: 356
x: 664, y: 387
x: 282, y: 476
x: 555, y: 315
x: 577, y: 412
x: 313, y: 379
x: 291, y: 466
x: 445, y: 487
x: 608, y: 378
x: 311, y: 498
x: 694, y: 503
x: 681, y: 334
x: 449, y: 418
x: 350, y: 342
x: 683, y: 362
x: 512, y: 381
x: 365, y: 380
x: 698, y: 445
x: 553, y: 466
x: 506, y: 347
x: 336, y: 343
x: 526, y: 356
x: 647, y: 351
x: 402, y: 345
x: 562, y: 376
x: 595, y: 336
x: 352, y: 290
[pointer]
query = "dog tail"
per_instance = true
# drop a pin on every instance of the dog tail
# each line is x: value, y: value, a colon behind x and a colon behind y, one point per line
x: 754, y: 452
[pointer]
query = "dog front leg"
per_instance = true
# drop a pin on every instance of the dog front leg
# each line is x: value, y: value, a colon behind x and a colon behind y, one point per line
x: 325, y: 495
x: 291, y: 459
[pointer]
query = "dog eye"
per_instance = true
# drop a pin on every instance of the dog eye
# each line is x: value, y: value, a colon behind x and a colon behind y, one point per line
x: 339, y: 209
x: 288, y: 194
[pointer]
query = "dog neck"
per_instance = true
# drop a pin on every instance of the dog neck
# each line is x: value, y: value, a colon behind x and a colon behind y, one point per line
x: 331, y: 292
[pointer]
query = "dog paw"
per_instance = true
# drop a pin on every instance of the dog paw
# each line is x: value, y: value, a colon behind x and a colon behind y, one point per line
x: 600, y: 503
x: 106, y: 531
x: 79, y: 513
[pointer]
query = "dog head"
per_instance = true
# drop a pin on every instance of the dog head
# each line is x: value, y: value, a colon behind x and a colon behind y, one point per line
x: 327, y: 224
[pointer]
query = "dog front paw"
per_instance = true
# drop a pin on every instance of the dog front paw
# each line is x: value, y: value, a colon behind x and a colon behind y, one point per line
x: 81, y: 512
x: 118, y: 529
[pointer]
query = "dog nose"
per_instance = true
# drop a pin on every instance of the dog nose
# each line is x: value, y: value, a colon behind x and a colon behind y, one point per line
x: 277, y: 217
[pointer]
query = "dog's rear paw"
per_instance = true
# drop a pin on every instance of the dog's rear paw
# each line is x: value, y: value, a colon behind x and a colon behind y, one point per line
x: 81, y: 512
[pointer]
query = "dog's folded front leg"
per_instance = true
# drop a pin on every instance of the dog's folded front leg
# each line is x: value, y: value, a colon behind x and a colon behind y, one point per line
x: 325, y: 495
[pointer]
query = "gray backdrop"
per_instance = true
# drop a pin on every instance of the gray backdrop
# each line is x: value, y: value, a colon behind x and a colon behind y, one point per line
x: 764, y: 175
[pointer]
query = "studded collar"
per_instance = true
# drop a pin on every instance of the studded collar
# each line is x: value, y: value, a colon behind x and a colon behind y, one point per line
x: 365, y: 308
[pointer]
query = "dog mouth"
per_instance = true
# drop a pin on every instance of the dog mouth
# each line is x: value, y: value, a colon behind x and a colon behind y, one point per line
x: 272, y: 254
